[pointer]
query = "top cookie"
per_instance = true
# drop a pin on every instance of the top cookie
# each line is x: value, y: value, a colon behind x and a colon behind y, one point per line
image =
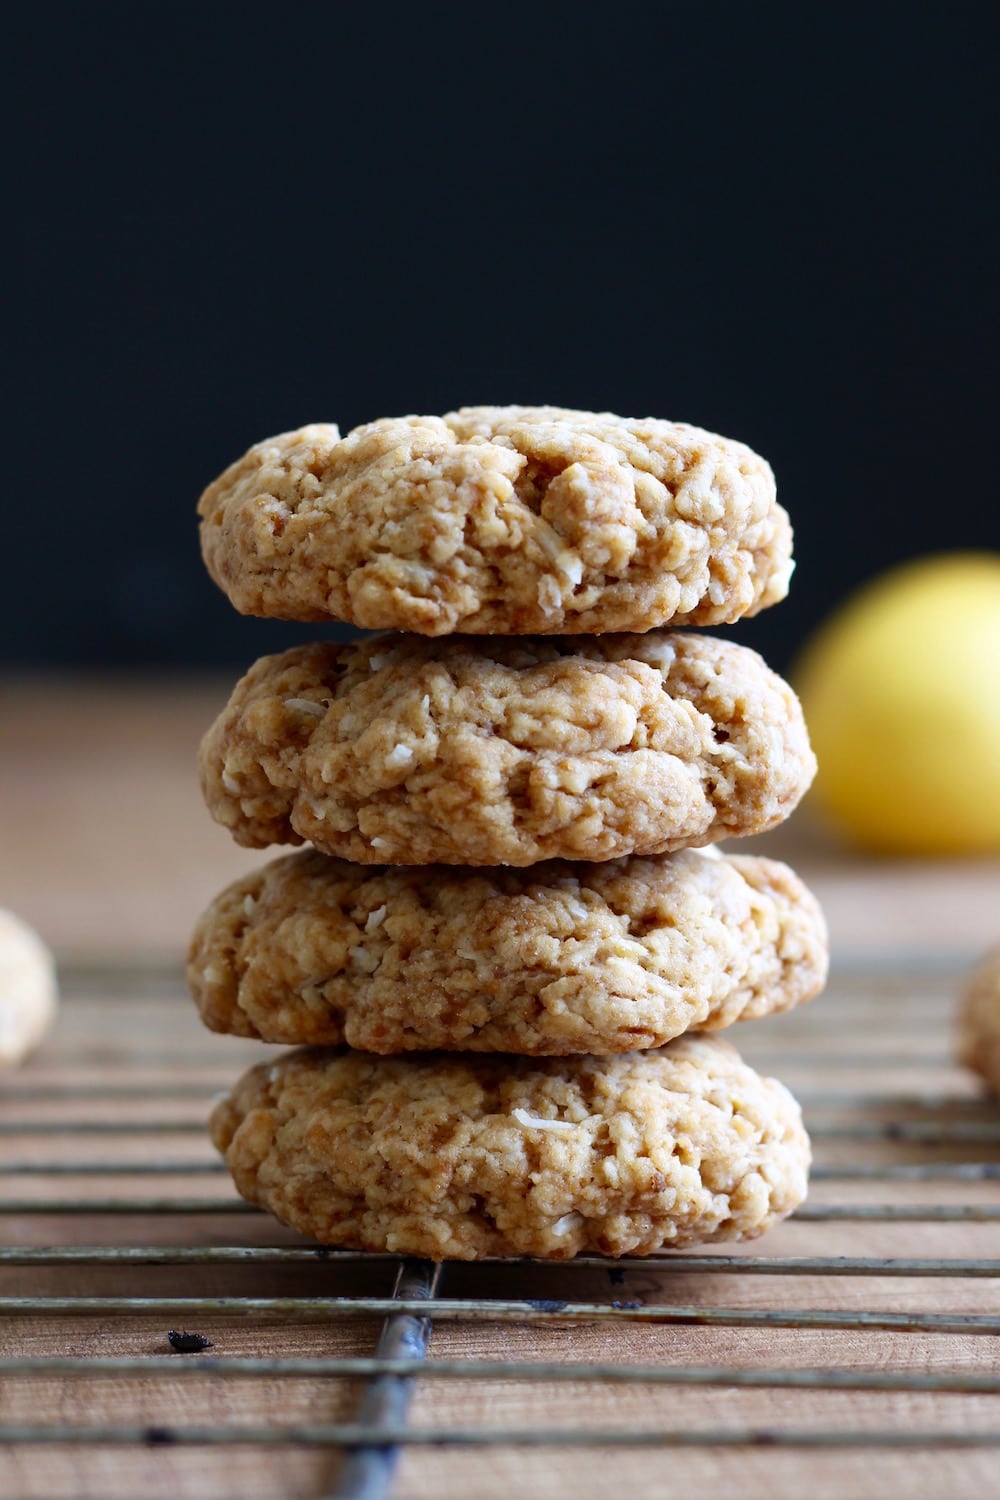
x: 507, y: 520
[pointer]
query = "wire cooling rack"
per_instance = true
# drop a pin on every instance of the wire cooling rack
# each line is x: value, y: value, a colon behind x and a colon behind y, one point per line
x: 854, y: 1350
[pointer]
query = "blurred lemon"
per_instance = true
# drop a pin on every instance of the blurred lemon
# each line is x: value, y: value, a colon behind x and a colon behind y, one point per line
x: 901, y: 691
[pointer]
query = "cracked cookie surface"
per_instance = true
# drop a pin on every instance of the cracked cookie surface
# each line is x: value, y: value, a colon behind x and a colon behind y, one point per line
x: 397, y: 750
x: 979, y: 1021
x: 456, y: 1157
x: 499, y: 520
x: 560, y: 959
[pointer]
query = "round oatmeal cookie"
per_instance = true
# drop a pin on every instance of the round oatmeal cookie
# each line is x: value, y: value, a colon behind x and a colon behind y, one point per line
x: 561, y: 959
x: 499, y: 520
x: 397, y: 750
x: 454, y: 1156
x: 28, y: 994
x: 979, y: 1021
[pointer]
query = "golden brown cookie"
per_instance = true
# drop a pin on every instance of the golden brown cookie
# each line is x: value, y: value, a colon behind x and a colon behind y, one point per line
x: 458, y: 1156
x: 559, y: 959
x: 979, y: 1021
x: 499, y: 520
x: 398, y: 750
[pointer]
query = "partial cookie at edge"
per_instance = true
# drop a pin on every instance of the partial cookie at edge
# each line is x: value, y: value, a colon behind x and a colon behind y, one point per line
x: 497, y: 520
x: 556, y: 960
x: 979, y: 1021
x: 28, y: 989
x: 458, y: 1157
x: 506, y: 751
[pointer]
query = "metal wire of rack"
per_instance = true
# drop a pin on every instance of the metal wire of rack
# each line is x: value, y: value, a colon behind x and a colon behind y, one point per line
x: 907, y: 1152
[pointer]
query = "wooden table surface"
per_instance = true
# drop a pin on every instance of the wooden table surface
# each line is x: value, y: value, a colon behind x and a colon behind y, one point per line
x: 105, y: 847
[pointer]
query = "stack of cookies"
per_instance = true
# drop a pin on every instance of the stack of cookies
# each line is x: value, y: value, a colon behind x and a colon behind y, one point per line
x: 512, y: 940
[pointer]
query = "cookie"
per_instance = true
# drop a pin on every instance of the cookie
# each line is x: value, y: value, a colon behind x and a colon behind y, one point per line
x: 557, y: 960
x: 458, y: 1156
x: 397, y: 750
x: 27, y: 989
x: 499, y: 520
x: 979, y: 1021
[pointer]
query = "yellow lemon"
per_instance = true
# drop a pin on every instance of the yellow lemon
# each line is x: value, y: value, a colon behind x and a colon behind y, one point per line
x: 901, y: 691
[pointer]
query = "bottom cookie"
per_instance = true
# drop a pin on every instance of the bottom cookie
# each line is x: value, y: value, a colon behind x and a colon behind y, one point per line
x: 459, y: 1156
x: 979, y: 1021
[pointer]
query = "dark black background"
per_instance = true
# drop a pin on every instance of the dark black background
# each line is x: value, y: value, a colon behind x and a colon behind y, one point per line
x: 777, y: 221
